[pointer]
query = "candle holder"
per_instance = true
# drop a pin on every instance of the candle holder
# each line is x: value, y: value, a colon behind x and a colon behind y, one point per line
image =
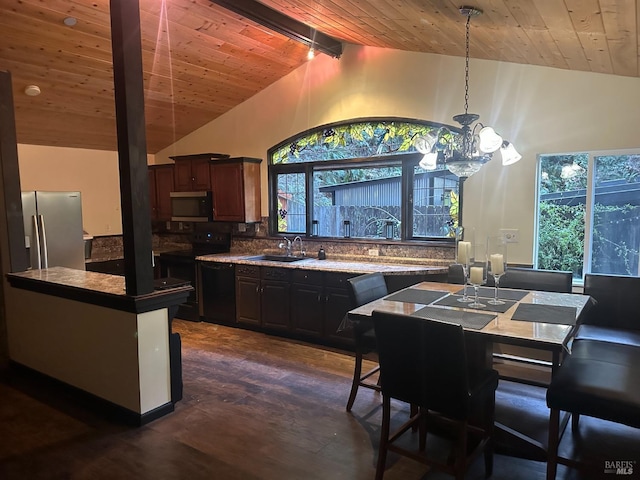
x: 497, y: 264
x: 315, y: 228
x: 464, y: 256
x: 477, y: 277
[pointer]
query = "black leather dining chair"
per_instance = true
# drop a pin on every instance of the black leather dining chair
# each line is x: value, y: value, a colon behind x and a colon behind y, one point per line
x: 364, y: 289
x: 424, y: 363
x: 535, y: 279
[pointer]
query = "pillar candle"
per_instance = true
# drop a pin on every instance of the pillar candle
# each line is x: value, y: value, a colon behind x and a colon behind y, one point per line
x: 497, y: 264
x: 464, y: 251
x: 476, y: 276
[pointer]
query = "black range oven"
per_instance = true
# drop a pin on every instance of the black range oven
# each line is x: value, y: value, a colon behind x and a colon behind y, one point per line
x: 182, y: 264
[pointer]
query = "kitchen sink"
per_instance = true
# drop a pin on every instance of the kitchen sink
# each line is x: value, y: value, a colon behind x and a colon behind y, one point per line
x: 278, y: 258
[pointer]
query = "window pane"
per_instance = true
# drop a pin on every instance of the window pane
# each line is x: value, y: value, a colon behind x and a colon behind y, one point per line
x: 291, y: 211
x: 366, y: 197
x: 616, y: 229
x: 561, y: 212
x: 435, y: 203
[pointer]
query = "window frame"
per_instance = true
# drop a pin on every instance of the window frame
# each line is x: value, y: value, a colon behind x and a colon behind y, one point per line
x: 590, y: 198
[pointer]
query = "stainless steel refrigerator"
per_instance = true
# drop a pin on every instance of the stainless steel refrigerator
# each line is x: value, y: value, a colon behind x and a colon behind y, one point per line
x: 53, y: 229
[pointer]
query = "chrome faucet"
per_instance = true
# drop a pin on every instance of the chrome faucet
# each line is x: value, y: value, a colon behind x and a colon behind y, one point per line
x: 302, y: 252
x: 286, y: 245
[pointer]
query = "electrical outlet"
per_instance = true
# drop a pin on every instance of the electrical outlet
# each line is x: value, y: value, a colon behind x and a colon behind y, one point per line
x: 510, y: 235
x: 374, y: 252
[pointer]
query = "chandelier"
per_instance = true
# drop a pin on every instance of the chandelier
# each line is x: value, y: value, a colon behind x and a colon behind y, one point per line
x: 466, y: 151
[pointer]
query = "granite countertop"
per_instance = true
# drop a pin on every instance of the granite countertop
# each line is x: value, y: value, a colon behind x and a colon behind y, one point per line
x: 70, y: 277
x: 342, y: 265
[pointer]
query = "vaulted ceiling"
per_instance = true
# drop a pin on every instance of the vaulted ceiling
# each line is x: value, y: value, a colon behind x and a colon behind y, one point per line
x: 201, y: 60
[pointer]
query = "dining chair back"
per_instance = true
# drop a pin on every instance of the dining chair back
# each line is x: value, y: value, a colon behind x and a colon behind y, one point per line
x: 424, y: 363
x: 617, y: 301
x: 455, y: 274
x: 364, y: 289
x: 534, y: 279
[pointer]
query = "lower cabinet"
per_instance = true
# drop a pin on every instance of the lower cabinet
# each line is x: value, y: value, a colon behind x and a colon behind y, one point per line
x: 303, y: 303
x: 263, y: 297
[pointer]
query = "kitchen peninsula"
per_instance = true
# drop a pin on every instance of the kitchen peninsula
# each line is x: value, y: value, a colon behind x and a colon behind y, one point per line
x: 82, y: 329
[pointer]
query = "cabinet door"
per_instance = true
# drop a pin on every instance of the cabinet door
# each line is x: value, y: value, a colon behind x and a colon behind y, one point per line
x: 164, y: 186
x: 337, y: 304
x: 183, y: 178
x: 200, y: 174
x: 307, y: 309
x: 228, y: 192
x: 248, y: 300
x: 275, y: 300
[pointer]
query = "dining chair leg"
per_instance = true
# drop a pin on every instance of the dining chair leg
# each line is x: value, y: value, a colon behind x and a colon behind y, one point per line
x: 384, y: 436
x: 460, y: 451
x: 552, y: 447
x: 357, y: 372
x: 575, y: 418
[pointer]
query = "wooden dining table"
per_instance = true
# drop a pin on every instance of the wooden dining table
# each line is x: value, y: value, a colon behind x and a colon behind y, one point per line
x: 544, y: 321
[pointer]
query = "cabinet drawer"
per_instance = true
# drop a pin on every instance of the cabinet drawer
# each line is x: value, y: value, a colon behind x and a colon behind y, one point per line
x: 248, y: 271
x: 282, y: 274
x: 338, y: 280
x: 311, y: 277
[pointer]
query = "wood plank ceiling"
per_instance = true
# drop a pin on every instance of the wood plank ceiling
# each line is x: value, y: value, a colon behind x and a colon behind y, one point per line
x: 201, y: 60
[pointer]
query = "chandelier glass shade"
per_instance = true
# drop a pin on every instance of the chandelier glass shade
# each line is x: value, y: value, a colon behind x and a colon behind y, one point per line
x: 465, y: 150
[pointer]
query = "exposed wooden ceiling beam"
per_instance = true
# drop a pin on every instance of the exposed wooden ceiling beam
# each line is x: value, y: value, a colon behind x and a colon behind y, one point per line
x: 283, y: 24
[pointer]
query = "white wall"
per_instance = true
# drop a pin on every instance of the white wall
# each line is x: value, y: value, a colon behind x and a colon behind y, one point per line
x: 541, y: 110
x: 94, y: 173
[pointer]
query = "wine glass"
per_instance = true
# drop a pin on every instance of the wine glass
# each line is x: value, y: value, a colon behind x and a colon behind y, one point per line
x: 478, y: 276
x: 464, y: 258
x: 497, y: 255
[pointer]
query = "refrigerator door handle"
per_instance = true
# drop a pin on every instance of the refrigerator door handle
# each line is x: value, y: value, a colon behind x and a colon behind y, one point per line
x: 36, y: 235
x: 45, y: 253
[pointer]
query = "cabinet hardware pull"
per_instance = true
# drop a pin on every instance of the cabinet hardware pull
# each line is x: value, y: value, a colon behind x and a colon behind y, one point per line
x: 319, y: 298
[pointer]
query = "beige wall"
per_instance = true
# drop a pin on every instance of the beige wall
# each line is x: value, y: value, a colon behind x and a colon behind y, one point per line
x: 541, y: 110
x: 94, y: 173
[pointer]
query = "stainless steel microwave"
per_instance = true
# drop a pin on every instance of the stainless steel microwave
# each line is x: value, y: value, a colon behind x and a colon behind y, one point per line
x: 191, y: 206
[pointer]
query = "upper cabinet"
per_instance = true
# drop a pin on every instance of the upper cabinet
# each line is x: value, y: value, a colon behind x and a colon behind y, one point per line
x: 235, y: 183
x: 160, y: 186
x: 192, y: 171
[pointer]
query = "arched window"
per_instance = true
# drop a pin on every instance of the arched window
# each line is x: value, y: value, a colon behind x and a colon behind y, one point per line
x: 360, y: 179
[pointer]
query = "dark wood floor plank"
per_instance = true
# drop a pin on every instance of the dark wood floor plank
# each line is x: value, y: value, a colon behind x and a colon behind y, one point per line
x: 254, y: 407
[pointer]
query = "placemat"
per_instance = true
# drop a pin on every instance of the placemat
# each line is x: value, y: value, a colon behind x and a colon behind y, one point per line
x: 474, y: 320
x: 535, y: 312
x: 452, y: 301
x: 503, y: 293
x: 415, y: 295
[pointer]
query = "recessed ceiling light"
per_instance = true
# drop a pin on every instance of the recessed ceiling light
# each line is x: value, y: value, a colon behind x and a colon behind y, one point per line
x: 32, y: 90
x: 70, y: 21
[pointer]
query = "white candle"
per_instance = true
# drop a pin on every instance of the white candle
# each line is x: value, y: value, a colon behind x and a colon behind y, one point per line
x: 476, y: 275
x: 497, y: 264
x: 464, y: 250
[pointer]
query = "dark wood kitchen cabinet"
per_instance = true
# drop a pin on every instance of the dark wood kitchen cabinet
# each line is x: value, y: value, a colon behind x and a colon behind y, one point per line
x: 302, y: 303
x: 235, y: 183
x: 263, y: 297
x: 192, y: 171
x: 275, y: 298
x: 307, y: 302
x: 248, y: 303
x: 161, y: 184
x: 320, y: 300
x: 337, y: 304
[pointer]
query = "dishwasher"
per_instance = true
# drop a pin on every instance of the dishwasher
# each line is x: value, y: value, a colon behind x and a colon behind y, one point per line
x: 218, y: 292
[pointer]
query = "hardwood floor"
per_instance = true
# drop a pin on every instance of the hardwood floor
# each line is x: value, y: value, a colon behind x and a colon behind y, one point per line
x: 254, y: 407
